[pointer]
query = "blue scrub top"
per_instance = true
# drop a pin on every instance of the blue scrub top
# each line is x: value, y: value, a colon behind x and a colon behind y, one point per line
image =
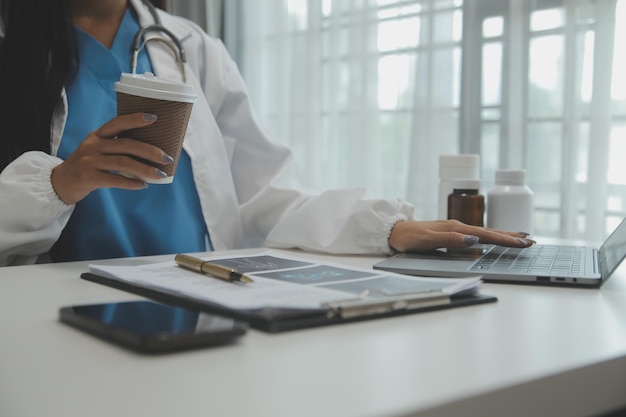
x: 109, y: 222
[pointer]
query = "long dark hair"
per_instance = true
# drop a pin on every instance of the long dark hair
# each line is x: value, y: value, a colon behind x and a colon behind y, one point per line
x: 37, y: 56
x: 35, y: 59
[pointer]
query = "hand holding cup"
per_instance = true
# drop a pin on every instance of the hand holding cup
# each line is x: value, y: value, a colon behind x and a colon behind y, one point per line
x: 170, y: 101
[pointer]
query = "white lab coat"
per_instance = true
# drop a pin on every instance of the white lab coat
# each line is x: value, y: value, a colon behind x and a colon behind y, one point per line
x: 235, y: 167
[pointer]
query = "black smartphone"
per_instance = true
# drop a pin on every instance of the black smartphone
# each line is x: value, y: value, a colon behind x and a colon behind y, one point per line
x: 151, y: 327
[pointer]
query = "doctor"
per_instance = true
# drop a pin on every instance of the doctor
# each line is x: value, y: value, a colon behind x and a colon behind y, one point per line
x: 60, y: 143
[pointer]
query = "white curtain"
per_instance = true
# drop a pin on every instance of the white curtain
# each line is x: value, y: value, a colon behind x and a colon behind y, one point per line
x: 370, y: 92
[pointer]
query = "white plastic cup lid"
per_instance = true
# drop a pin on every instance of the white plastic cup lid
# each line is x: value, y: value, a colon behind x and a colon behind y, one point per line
x: 150, y: 86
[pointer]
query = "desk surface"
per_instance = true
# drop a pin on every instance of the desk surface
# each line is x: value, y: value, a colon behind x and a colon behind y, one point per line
x: 538, y: 351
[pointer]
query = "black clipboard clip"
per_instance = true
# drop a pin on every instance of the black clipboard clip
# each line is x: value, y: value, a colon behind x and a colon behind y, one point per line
x: 361, y: 306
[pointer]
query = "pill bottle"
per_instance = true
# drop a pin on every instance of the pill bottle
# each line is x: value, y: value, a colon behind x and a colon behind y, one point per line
x: 452, y: 168
x: 510, y: 202
x: 466, y: 204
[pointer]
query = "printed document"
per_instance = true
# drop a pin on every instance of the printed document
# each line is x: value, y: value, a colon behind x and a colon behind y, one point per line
x: 282, y: 282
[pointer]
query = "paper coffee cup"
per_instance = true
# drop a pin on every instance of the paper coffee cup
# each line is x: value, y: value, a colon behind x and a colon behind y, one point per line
x: 171, y: 101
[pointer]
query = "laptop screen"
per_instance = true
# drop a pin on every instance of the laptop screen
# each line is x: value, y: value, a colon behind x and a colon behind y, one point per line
x: 613, y: 251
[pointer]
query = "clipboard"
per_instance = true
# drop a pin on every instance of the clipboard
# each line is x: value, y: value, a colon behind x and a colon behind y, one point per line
x: 274, y: 319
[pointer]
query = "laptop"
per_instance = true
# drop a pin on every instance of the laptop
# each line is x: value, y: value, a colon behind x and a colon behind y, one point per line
x: 539, y: 264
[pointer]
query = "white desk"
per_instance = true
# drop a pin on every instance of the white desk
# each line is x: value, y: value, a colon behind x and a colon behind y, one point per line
x: 537, y: 352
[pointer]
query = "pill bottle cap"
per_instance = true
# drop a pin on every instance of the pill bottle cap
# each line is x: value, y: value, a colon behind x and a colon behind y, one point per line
x: 465, y: 184
x: 459, y: 166
x: 510, y: 177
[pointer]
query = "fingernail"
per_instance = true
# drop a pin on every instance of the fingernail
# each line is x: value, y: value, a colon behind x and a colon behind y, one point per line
x: 160, y: 173
x: 150, y: 117
x: 470, y: 239
x: 167, y: 159
x: 523, y: 241
x: 523, y: 233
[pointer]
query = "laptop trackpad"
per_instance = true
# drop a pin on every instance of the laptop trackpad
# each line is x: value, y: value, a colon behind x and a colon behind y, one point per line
x: 436, y: 263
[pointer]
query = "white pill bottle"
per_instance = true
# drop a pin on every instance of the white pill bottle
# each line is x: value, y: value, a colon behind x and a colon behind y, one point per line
x: 510, y: 202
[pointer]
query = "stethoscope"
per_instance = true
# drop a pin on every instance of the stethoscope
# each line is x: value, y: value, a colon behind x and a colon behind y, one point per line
x: 138, y: 44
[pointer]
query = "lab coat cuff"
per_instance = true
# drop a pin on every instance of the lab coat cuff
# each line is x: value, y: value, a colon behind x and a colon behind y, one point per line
x: 56, y: 206
x: 388, y: 226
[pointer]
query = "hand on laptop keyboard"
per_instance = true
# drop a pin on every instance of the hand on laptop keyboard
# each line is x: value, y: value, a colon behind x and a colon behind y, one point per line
x: 414, y: 236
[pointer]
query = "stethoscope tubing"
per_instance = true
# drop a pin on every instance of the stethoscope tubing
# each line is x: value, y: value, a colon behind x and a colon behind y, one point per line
x: 138, y: 44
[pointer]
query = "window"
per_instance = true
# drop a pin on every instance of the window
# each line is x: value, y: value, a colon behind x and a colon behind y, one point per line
x: 370, y: 92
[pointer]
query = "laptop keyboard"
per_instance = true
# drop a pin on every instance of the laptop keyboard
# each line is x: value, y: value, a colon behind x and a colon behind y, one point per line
x: 538, y: 259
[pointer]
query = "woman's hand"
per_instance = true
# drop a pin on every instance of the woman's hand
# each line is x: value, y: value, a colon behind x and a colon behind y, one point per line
x: 413, y: 236
x: 90, y: 166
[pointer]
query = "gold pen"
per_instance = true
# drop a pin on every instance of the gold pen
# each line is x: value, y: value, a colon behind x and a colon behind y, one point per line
x: 211, y: 269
